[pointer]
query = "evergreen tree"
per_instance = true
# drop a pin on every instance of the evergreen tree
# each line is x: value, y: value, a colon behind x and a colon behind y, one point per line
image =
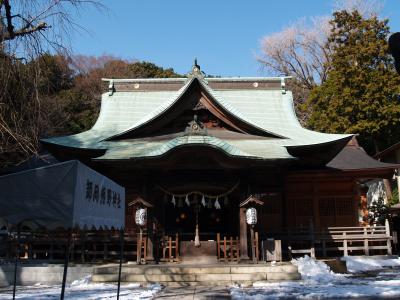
x: 378, y: 211
x: 361, y: 93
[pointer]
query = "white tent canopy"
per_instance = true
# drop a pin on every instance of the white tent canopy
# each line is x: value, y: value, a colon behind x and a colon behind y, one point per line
x: 66, y: 195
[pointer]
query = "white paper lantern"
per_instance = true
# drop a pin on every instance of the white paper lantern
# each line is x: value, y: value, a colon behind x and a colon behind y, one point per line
x: 141, y: 217
x: 251, y: 216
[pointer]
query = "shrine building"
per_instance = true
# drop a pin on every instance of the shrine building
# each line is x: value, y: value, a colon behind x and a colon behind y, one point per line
x: 194, y: 149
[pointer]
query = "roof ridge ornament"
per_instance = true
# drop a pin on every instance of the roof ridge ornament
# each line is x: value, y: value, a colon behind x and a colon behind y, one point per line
x: 196, y: 67
x: 196, y: 72
x: 111, y: 88
x: 283, y: 86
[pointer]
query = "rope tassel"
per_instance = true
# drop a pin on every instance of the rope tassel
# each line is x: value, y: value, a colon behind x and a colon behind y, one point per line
x: 197, y: 237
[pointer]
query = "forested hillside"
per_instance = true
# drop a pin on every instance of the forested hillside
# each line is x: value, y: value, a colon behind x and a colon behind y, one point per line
x: 56, y: 95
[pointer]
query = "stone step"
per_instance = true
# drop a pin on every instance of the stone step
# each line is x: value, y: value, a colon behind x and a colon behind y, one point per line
x: 150, y: 270
x: 267, y: 269
x: 283, y: 276
x: 202, y: 284
x: 204, y: 278
x: 156, y: 270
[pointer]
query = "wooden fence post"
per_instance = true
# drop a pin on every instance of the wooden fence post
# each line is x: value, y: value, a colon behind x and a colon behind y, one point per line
x: 237, y: 249
x: 256, y: 246
x: 218, y: 246
x: 388, y: 242
x: 225, y: 248
x: 366, y: 248
x: 345, y: 251
x: 177, y: 246
x: 170, y: 249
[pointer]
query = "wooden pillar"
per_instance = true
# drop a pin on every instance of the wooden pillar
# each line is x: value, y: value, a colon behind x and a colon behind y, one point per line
x: 252, y: 240
x: 284, y: 214
x: 218, y: 246
x: 150, y: 253
x: 139, y: 246
x: 150, y: 237
x: 315, y: 200
x: 243, y: 234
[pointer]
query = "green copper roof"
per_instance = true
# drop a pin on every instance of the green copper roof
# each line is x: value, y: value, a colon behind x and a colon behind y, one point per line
x: 261, y: 149
x: 269, y: 110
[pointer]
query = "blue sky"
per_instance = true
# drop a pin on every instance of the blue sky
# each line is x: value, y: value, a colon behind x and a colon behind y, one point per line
x: 223, y: 35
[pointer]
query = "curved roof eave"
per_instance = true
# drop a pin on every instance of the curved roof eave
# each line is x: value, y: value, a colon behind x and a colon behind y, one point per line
x: 342, y: 138
x: 153, y: 150
x: 87, y: 140
x: 291, y: 133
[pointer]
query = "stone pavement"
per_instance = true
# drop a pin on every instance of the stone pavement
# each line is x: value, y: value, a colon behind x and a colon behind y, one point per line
x: 194, y: 292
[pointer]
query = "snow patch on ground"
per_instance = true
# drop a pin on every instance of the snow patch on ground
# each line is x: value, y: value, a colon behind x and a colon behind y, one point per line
x: 83, y: 289
x: 357, y: 264
x: 311, y: 269
x: 314, y: 290
x: 83, y: 281
x: 319, y: 282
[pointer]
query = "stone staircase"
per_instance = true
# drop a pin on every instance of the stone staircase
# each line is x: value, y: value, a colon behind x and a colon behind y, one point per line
x: 192, y: 275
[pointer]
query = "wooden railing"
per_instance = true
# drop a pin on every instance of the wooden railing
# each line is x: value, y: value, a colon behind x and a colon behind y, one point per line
x: 87, y: 246
x: 228, y: 249
x: 97, y: 246
x: 301, y: 241
x: 347, y: 240
x: 170, y: 248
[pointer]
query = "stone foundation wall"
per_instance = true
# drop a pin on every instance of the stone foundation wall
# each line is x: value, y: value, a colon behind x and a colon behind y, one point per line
x: 43, y: 274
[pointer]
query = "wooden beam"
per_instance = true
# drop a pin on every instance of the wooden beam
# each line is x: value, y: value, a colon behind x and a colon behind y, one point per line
x: 251, y: 199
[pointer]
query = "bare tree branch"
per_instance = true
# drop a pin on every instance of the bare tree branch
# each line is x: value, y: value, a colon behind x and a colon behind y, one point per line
x: 28, y: 30
x: 27, y: 22
x: 24, y: 31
